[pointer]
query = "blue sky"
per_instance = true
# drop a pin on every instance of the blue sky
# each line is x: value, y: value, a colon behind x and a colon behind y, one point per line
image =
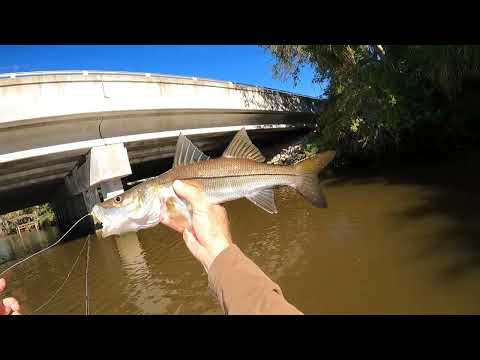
x: 238, y: 63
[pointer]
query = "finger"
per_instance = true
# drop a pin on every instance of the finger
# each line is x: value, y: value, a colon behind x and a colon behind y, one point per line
x: 221, y: 212
x: 223, y: 221
x: 172, y: 224
x: 11, y: 303
x: 193, y: 245
x: 189, y: 190
x: 16, y: 313
x: 191, y: 241
x: 192, y: 192
x: 3, y: 284
x: 195, y: 183
x: 4, y: 310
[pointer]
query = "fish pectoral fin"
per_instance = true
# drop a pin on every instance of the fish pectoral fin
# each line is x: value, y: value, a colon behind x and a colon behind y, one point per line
x: 186, y: 152
x: 264, y: 199
x: 241, y: 147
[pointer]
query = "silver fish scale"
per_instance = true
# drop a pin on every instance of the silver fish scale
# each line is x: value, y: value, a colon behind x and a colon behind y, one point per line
x: 224, y: 189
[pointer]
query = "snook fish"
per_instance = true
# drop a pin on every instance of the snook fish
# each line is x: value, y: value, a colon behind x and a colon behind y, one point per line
x: 239, y: 172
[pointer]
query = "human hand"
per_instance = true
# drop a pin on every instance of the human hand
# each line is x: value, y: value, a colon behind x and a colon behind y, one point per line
x: 210, y: 232
x: 8, y: 306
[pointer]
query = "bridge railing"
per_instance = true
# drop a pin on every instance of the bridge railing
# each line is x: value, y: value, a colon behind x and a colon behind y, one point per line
x: 147, y: 75
x: 96, y: 72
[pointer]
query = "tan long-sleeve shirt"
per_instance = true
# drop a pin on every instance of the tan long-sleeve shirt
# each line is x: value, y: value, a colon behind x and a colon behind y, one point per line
x: 242, y: 288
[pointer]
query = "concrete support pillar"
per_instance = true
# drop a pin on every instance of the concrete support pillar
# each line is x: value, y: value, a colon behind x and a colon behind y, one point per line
x: 104, y: 166
x: 91, y: 197
x: 68, y: 209
x: 6, y: 251
x: 103, y: 169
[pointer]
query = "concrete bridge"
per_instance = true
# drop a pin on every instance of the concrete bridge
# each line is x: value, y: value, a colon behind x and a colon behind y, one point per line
x: 71, y: 137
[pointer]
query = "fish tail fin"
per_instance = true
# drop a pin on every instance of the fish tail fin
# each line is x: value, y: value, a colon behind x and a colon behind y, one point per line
x: 308, y: 183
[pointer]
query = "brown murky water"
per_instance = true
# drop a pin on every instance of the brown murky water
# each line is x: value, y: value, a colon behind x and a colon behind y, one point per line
x: 386, y: 244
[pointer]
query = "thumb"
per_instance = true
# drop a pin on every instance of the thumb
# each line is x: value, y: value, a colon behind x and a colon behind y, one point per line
x: 3, y: 284
x: 192, y: 192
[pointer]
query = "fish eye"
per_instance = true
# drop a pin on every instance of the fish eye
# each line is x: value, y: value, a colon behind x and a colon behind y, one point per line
x: 117, y: 199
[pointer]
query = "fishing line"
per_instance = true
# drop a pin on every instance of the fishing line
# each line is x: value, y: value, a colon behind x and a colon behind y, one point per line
x: 87, y: 307
x: 49, y: 247
x: 66, y: 278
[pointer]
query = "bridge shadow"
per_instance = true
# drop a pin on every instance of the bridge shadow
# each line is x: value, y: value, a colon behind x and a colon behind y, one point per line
x: 277, y: 101
x: 447, y: 205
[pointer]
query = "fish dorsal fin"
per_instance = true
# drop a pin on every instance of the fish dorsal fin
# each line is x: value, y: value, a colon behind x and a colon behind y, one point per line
x: 264, y: 199
x: 241, y: 147
x: 187, y: 153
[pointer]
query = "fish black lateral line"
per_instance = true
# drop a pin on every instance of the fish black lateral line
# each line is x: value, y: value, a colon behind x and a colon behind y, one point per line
x: 241, y: 172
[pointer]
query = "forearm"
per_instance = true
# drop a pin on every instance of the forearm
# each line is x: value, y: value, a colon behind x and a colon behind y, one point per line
x: 242, y: 288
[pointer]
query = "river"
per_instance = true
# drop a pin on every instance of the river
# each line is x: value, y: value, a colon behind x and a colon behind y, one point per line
x: 391, y: 242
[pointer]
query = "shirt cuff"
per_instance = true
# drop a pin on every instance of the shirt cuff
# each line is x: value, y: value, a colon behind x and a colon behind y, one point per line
x: 222, y: 261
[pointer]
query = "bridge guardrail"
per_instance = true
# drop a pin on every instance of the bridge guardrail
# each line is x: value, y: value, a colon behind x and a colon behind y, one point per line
x: 99, y: 72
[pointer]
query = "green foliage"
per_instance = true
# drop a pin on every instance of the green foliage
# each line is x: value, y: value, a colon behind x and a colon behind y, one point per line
x: 383, y: 99
x: 9, y: 222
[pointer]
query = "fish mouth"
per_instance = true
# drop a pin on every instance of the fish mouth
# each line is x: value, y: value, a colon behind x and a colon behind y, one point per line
x: 97, y: 215
x: 112, y: 221
x: 117, y: 221
x: 100, y: 219
x: 96, y: 221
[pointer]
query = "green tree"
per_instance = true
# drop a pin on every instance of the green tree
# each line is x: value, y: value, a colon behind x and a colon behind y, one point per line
x: 44, y: 212
x: 383, y: 99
